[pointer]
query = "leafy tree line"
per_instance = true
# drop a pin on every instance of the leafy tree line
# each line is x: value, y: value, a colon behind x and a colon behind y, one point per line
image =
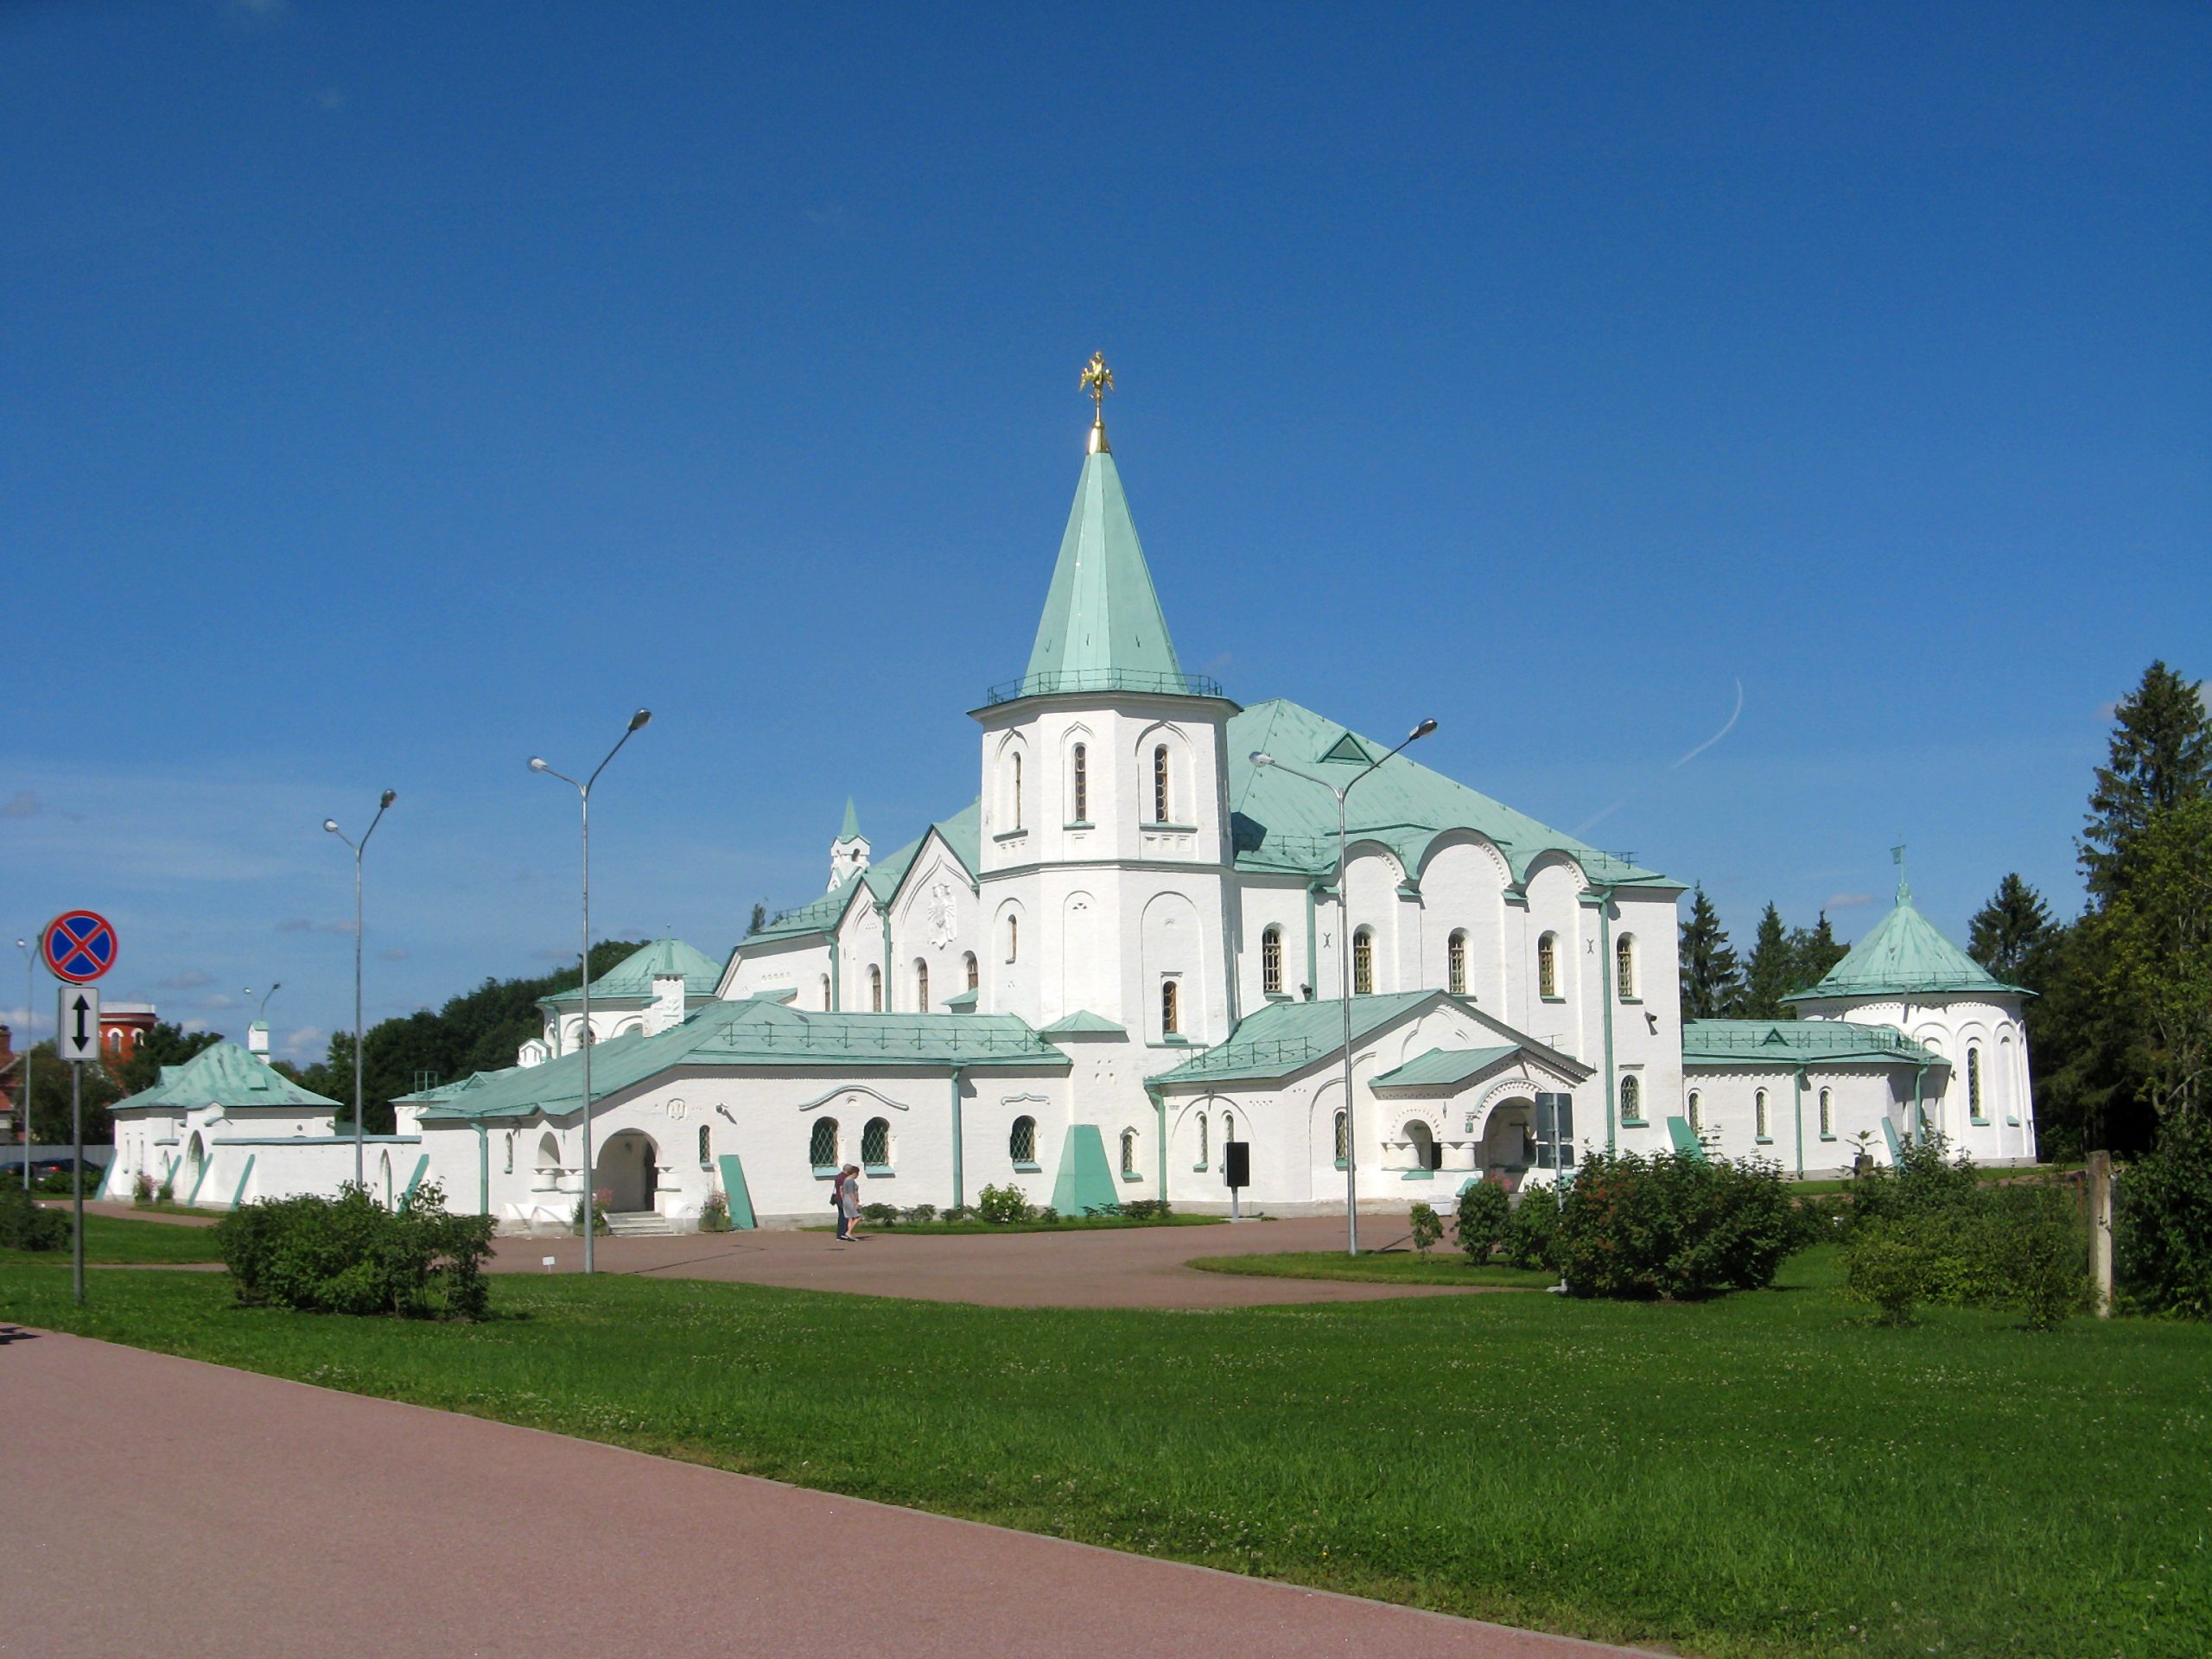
x: 165, y: 1044
x: 2119, y: 1030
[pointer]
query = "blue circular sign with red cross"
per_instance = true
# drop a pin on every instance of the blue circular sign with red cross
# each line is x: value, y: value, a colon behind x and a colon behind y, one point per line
x: 79, y: 946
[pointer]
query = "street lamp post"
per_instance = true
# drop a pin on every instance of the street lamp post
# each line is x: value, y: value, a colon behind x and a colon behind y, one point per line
x: 1344, y: 969
x: 361, y: 1173
x: 30, y: 1036
x: 583, y: 795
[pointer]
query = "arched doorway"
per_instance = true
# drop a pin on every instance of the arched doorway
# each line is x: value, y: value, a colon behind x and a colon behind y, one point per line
x: 1508, y: 1139
x: 628, y: 1170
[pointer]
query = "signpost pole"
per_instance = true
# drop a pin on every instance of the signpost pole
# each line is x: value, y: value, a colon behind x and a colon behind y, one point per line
x: 77, y: 1134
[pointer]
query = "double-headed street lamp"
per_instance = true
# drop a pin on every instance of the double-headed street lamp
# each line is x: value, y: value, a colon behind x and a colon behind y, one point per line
x: 583, y: 794
x: 360, y: 1176
x: 1344, y: 969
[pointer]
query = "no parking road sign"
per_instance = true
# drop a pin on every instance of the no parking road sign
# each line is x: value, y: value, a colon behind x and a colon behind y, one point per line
x: 79, y: 946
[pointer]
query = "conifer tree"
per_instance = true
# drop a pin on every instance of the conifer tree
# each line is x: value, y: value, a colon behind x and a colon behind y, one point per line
x: 2160, y: 757
x: 1712, y: 982
x: 2010, y: 932
x: 1813, y: 952
x: 1767, y: 976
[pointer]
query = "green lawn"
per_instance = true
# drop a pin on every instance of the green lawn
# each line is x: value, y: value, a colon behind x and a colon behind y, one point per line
x: 1440, y: 1267
x: 110, y: 1240
x: 1762, y: 1474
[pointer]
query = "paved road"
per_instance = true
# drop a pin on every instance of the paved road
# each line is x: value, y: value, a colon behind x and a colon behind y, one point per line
x: 213, y: 1512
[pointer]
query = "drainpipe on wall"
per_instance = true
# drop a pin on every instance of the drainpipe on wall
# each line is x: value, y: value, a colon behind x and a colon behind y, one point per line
x: 1800, y: 1122
x: 890, y: 995
x: 1159, y: 1111
x: 1919, y: 1112
x: 959, y: 1189
x: 836, y: 974
x: 1605, y: 990
x: 1312, y: 949
x: 483, y: 1167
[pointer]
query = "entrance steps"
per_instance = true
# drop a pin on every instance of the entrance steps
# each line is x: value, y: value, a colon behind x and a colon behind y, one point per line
x: 638, y: 1224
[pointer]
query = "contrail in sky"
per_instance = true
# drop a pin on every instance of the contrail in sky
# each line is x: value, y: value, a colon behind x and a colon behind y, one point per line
x: 1735, y: 715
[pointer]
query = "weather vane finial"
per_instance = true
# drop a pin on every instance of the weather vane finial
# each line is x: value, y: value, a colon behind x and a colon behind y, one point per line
x: 1097, y: 380
x: 1896, y: 854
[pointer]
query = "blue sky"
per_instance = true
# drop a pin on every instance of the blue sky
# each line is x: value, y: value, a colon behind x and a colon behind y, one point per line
x: 393, y: 392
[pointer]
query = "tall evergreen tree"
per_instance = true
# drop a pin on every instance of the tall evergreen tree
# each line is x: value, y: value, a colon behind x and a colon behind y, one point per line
x: 2160, y: 757
x: 1767, y: 976
x: 758, y: 920
x: 2010, y: 932
x: 1813, y: 952
x: 2158, y: 973
x: 1711, y: 980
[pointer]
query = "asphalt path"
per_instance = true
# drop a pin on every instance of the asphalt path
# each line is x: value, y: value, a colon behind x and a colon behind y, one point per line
x: 210, y: 1511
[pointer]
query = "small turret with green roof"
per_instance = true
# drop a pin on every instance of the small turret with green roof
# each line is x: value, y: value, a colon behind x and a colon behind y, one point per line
x: 1906, y: 956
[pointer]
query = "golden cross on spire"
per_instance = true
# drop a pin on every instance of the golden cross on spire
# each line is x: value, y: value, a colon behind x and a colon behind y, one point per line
x: 1097, y: 380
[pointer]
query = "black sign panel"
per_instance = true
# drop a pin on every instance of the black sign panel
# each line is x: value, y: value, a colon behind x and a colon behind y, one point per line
x: 1236, y: 1162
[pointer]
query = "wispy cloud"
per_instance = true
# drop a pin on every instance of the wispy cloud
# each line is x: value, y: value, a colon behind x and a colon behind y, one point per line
x: 332, y: 97
x: 1728, y: 725
x: 393, y: 955
x: 1848, y: 900
x: 24, y: 804
x: 301, y: 924
x: 190, y: 980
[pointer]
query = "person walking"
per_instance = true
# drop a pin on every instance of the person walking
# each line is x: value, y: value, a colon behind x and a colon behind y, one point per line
x: 848, y: 1201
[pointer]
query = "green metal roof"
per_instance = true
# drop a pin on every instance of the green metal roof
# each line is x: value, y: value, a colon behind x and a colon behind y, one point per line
x: 633, y: 975
x: 223, y: 1074
x: 1906, y: 956
x: 1283, y: 1037
x: 1797, y: 1042
x: 751, y: 1032
x: 1444, y: 1067
x: 852, y: 829
x: 962, y: 832
x: 1283, y: 823
x: 1102, y: 629
x: 1083, y: 1022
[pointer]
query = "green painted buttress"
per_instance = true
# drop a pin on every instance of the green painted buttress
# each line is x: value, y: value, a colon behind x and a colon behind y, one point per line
x: 1086, y: 1180
x: 739, y: 1194
x: 245, y: 1175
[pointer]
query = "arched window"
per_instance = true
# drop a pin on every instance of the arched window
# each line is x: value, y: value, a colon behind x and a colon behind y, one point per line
x: 875, y: 1143
x: 974, y: 973
x: 1017, y: 793
x: 1271, y: 961
x: 1160, y: 802
x: 1624, y: 967
x: 1422, y: 1139
x: 1631, y: 1099
x: 1344, y: 1139
x: 706, y: 1146
x: 1697, y: 1116
x: 1079, y: 768
x: 1204, y: 1156
x: 1974, y: 1084
x: 549, y: 1160
x: 1547, y: 965
x: 1827, y: 1116
x: 1228, y: 1127
x: 1170, y: 1008
x: 1362, y: 962
x: 1128, y: 1154
x: 1012, y: 938
x: 875, y: 990
x: 921, y: 987
x: 1455, y: 963
x: 1021, y: 1144
x: 1758, y: 1114
x: 511, y: 1153
x: 821, y: 1145
x: 825, y: 992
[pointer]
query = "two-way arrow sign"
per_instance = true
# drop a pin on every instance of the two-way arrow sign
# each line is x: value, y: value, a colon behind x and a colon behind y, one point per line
x: 76, y: 1031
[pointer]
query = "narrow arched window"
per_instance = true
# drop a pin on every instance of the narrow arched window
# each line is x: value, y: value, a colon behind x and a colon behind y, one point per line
x: 1228, y: 1127
x: 1013, y: 937
x: 875, y: 1143
x: 825, y: 992
x: 875, y: 990
x: 1758, y: 1114
x: 706, y: 1146
x: 1344, y: 1139
x: 821, y: 1145
x: 1362, y: 962
x: 1974, y: 1084
x: 1455, y: 963
x: 1624, y: 967
x: 1631, y: 1100
x: 1080, y: 766
x: 921, y: 988
x: 974, y: 973
x: 1128, y: 1154
x: 511, y: 1153
x: 1827, y: 1115
x: 1271, y: 961
x: 1170, y: 1010
x: 1697, y: 1114
x: 1021, y: 1143
x: 1017, y: 793
x: 1160, y: 801
x: 1547, y: 965
x: 1204, y: 1156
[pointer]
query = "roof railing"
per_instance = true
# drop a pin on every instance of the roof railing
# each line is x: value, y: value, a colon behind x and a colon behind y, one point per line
x: 1850, y: 1035
x: 1062, y: 682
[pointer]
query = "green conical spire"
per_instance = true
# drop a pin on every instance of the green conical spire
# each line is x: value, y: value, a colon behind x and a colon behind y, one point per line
x: 852, y: 829
x: 1102, y: 629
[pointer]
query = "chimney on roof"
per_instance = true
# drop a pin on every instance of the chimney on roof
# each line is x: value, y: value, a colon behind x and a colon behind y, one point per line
x: 667, y: 1011
x: 257, y: 1040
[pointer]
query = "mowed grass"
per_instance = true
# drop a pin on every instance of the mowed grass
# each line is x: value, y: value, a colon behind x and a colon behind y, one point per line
x: 110, y: 1240
x: 1439, y: 1267
x: 1764, y: 1474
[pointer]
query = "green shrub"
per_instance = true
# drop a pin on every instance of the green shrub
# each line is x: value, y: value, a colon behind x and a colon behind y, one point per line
x: 1145, y: 1209
x: 1922, y: 1182
x: 25, y: 1226
x: 1002, y: 1204
x: 349, y: 1255
x: 2021, y: 1247
x: 920, y: 1215
x: 1485, y: 1210
x: 1634, y: 1225
x: 879, y: 1215
x: 166, y: 1192
x: 1531, y: 1236
x: 713, y: 1214
x: 957, y: 1212
x: 142, y: 1191
x: 1883, y: 1267
x: 599, y: 1226
x: 2162, y: 1225
x: 1427, y: 1226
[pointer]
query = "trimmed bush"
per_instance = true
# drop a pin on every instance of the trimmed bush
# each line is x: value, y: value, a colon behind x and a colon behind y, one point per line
x: 1427, y: 1226
x: 713, y: 1214
x: 349, y: 1255
x: 1485, y: 1210
x: 1145, y: 1209
x: 1531, y: 1236
x: 1002, y: 1204
x: 1634, y: 1226
x: 920, y: 1215
x: 25, y: 1226
x: 879, y: 1215
x: 2162, y: 1227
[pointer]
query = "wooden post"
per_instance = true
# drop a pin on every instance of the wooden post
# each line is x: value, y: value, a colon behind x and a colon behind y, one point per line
x: 2100, y: 1229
